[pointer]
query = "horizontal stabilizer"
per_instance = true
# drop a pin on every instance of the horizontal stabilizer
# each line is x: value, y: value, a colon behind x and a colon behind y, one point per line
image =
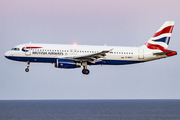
x: 168, y: 53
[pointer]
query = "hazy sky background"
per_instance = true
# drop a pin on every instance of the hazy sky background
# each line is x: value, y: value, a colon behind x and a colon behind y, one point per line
x: 90, y: 22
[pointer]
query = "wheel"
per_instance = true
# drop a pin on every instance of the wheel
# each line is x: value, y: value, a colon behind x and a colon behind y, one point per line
x: 85, y: 71
x: 27, y: 70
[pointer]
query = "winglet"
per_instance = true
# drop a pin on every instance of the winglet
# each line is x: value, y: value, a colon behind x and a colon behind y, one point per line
x: 111, y: 49
x: 106, y: 51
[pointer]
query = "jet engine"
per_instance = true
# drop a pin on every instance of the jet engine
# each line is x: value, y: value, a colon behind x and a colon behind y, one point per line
x: 66, y: 63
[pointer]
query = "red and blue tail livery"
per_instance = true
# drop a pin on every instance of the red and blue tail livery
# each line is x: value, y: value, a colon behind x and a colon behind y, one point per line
x: 75, y: 56
x: 161, y: 38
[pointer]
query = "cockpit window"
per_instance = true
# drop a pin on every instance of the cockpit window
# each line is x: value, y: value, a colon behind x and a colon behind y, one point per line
x: 16, y: 49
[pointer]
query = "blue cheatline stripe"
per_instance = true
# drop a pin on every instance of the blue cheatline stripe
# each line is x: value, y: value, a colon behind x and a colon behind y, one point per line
x: 164, y: 39
x: 32, y: 59
x: 53, y: 60
x: 116, y: 62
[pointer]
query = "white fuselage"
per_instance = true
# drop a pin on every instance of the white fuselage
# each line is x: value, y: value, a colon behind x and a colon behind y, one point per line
x: 50, y: 52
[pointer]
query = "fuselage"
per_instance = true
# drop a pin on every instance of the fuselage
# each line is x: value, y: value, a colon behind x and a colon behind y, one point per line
x: 49, y: 53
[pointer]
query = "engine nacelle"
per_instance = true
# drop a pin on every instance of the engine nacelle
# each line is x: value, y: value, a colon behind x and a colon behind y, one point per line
x: 66, y: 63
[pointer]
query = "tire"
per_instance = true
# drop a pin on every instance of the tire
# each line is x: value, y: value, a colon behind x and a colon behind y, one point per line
x: 85, y: 71
x: 27, y: 70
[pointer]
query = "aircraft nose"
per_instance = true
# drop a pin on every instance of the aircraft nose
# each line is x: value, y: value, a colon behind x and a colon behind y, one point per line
x: 6, y: 54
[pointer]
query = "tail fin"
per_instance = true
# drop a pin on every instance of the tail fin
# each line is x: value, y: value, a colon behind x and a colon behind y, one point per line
x: 160, y: 40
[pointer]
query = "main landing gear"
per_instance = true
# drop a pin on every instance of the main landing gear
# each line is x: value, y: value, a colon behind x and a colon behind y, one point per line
x: 27, y: 69
x: 85, y: 70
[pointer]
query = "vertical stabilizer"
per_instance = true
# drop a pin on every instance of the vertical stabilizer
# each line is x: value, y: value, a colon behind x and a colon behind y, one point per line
x: 160, y: 40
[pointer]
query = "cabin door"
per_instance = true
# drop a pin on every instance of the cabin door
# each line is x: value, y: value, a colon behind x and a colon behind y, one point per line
x: 140, y: 54
x: 27, y: 50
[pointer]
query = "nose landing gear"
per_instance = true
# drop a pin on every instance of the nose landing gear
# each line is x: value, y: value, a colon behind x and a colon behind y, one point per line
x: 27, y: 69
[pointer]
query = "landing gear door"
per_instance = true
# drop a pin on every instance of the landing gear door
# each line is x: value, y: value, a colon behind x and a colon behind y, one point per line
x: 140, y: 54
x: 28, y: 50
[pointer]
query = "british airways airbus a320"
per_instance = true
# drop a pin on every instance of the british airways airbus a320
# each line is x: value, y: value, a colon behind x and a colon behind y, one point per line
x: 75, y: 56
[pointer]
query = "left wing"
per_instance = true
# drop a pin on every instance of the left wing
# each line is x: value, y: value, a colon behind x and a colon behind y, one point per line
x: 90, y: 57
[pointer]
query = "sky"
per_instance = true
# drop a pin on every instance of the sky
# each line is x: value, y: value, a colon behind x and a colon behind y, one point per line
x: 88, y: 22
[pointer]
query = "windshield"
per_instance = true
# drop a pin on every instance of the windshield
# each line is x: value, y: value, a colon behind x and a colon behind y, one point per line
x: 16, y: 49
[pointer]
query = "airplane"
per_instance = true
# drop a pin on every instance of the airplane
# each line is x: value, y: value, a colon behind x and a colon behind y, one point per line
x: 75, y: 56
